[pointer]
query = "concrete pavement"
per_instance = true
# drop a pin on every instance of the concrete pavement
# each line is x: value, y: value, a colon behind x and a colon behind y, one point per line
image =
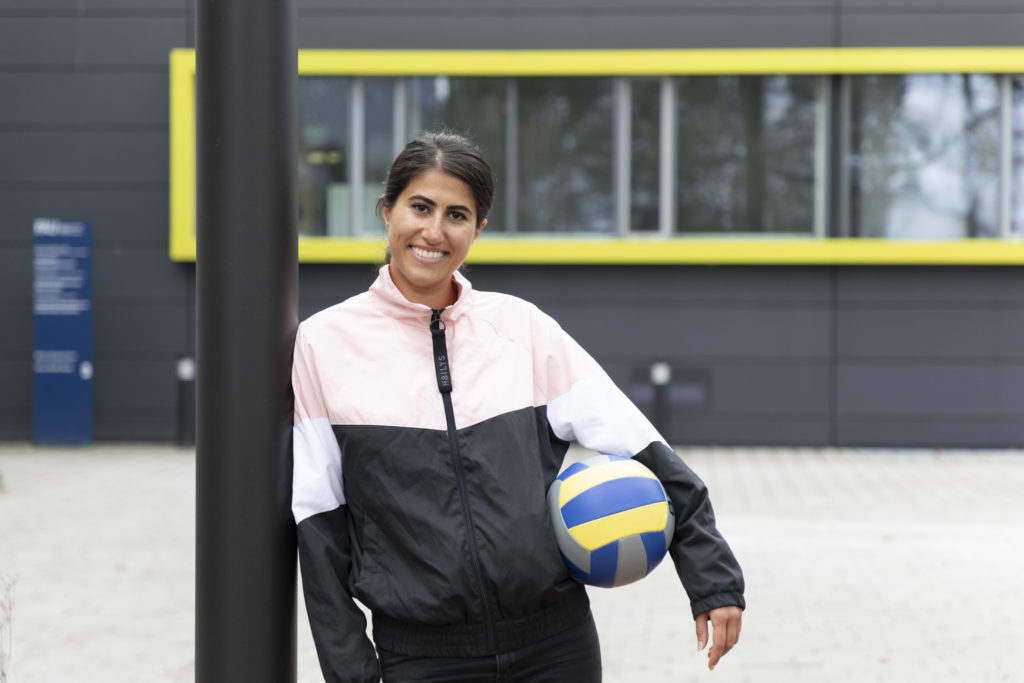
x: 860, y: 566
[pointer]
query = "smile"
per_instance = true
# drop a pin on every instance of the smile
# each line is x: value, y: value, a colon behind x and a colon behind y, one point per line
x: 427, y: 254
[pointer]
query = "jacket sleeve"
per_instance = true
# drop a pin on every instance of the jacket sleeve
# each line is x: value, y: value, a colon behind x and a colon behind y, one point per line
x: 584, y: 405
x: 325, y: 555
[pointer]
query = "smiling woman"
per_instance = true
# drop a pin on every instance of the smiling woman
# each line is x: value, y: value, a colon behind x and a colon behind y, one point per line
x: 434, y: 206
x: 430, y: 420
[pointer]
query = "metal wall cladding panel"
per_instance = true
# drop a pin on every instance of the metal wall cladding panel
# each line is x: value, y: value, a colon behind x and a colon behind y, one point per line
x: 571, y: 30
x: 928, y: 286
x: 50, y: 99
x: 773, y: 390
x: 15, y: 426
x: 121, y: 427
x: 123, y: 275
x: 655, y: 285
x: 683, y: 334
x: 135, y: 387
x: 91, y: 40
x: 135, y: 216
x: 16, y: 380
x: 724, y: 391
x: 141, y: 330
x: 16, y: 274
x: 738, y: 405
x: 917, y: 28
x: 750, y: 431
x: 926, y: 6
x: 936, y: 392
x: 930, y: 334
x: 16, y: 331
x: 321, y: 286
x: 540, y: 6
x: 85, y: 157
x: 80, y: 6
x: 960, y: 433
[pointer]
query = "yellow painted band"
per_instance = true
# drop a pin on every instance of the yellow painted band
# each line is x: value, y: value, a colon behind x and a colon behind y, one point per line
x: 660, y: 62
x: 183, y: 156
x: 592, y: 476
x: 695, y: 251
x: 823, y: 60
x: 594, y: 534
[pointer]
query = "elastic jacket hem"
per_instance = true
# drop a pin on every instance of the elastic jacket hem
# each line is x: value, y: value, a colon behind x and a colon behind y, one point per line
x: 470, y: 640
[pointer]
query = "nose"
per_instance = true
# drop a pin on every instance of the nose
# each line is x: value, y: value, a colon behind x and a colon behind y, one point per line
x: 432, y: 230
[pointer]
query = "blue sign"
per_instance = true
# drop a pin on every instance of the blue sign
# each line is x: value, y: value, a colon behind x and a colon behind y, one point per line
x: 62, y: 352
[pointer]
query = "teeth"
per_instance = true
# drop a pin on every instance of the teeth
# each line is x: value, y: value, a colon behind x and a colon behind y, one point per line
x: 427, y: 254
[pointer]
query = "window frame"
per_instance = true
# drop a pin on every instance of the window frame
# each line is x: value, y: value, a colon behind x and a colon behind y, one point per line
x: 632, y: 247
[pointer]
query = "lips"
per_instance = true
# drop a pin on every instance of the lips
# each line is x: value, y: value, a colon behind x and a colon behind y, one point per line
x: 428, y: 255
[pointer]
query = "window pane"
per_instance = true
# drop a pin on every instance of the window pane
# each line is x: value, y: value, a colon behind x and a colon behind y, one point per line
x: 745, y: 148
x: 470, y: 106
x: 924, y: 156
x: 323, y: 113
x: 565, y: 132
x: 643, y: 214
x: 1017, y: 159
x: 380, y: 102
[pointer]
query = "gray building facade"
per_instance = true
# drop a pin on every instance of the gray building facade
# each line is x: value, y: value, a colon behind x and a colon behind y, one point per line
x: 850, y: 355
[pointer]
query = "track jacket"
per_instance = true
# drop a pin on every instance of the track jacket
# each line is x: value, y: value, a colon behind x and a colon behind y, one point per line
x: 423, y: 452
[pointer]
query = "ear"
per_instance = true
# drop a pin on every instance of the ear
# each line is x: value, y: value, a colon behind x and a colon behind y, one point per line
x: 385, y: 212
x: 483, y: 224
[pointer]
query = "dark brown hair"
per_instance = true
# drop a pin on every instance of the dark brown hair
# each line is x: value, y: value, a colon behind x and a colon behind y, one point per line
x: 444, y: 151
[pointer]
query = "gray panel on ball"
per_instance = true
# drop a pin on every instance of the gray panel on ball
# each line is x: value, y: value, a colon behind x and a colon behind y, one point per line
x: 573, y: 551
x: 632, y: 561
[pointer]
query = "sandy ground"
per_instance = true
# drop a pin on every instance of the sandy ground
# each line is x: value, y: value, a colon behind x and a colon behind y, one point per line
x: 860, y: 566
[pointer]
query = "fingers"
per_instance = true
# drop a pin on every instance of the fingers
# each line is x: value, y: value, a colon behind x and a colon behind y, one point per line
x: 726, y: 623
x: 702, y: 631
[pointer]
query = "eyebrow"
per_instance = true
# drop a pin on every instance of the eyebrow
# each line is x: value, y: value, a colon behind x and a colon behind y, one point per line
x: 452, y: 207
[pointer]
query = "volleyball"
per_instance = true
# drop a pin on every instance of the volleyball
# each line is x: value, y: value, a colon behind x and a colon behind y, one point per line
x: 612, y: 520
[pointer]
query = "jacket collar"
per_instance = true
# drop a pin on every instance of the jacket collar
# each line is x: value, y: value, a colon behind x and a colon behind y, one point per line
x: 394, y: 303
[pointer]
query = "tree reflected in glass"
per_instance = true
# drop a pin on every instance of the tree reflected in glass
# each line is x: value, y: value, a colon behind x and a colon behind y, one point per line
x: 924, y: 156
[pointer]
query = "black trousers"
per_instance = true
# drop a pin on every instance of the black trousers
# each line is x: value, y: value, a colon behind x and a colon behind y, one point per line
x: 573, y: 656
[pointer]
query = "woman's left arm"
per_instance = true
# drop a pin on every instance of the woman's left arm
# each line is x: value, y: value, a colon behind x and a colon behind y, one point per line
x: 584, y: 405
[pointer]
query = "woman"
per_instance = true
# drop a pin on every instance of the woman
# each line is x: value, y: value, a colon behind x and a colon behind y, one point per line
x: 430, y: 419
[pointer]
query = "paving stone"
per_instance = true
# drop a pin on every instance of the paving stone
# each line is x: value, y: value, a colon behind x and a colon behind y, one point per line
x: 861, y: 565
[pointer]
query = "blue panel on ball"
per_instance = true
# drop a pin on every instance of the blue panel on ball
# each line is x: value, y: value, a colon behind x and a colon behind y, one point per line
x: 611, y: 497
x: 654, y: 544
x: 571, y: 470
x: 603, y: 563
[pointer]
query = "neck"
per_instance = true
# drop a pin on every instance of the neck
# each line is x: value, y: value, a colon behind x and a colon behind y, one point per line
x: 444, y: 296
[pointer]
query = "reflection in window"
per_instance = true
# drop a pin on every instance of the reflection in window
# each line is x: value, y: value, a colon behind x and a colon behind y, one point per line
x: 745, y: 147
x: 643, y: 191
x: 564, y: 154
x: 1017, y: 155
x: 472, y: 106
x: 379, y: 137
x: 323, y: 183
x: 924, y: 156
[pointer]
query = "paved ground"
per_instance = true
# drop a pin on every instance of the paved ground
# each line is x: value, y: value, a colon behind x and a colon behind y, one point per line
x: 861, y: 566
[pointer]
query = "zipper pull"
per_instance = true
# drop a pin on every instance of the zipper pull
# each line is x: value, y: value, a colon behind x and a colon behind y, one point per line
x: 444, y: 375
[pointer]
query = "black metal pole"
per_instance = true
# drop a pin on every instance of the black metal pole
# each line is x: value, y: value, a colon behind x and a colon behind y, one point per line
x: 246, y: 279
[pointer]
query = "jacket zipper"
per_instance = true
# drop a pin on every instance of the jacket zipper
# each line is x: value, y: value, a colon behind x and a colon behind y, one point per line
x: 444, y: 385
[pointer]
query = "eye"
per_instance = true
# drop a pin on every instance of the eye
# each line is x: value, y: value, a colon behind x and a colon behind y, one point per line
x: 420, y: 208
x: 457, y: 215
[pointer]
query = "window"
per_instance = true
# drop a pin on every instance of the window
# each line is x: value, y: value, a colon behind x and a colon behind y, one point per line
x: 924, y: 158
x: 1014, y: 131
x: 668, y: 156
x: 745, y: 154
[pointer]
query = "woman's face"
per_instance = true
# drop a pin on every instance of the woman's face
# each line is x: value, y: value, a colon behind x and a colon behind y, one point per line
x: 430, y: 229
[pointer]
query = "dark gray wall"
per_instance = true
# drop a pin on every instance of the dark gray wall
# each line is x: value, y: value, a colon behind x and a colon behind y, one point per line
x: 772, y: 355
